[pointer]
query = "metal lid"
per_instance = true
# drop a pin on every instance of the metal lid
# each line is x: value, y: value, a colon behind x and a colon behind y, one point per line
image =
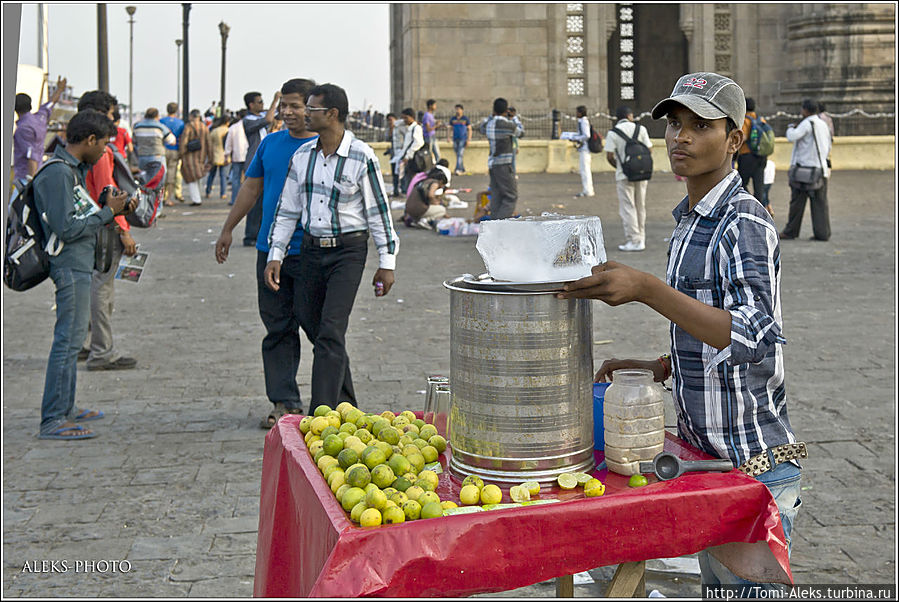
x: 486, y: 284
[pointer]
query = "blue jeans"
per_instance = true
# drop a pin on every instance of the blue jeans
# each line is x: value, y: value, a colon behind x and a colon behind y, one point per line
x: 459, y: 148
x: 236, y: 172
x: 73, y: 313
x: 433, y: 146
x: 783, y: 482
x: 211, y: 179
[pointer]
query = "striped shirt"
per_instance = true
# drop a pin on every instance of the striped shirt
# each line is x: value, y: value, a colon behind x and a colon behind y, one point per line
x: 334, y: 195
x: 500, y: 132
x: 725, y: 252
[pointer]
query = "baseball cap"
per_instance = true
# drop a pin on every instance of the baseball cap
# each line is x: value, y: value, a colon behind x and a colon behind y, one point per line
x: 709, y: 95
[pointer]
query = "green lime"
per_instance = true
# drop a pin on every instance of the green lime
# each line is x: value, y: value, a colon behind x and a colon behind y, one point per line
x: 382, y: 476
x: 401, y: 484
x: 412, y: 510
x: 431, y: 510
x: 567, y: 481
x: 347, y: 458
x: 637, y: 480
x: 582, y: 477
x: 321, y: 410
x: 358, y: 476
x: 333, y: 444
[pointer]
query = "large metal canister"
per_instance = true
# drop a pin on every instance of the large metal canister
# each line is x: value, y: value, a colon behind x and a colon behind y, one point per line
x: 521, y: 376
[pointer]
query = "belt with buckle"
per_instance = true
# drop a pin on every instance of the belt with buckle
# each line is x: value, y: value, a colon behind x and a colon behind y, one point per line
x: 332, y: 242
x: 773, y: 456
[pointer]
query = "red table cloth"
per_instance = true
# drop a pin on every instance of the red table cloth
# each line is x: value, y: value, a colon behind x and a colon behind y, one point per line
x: 307, y: 545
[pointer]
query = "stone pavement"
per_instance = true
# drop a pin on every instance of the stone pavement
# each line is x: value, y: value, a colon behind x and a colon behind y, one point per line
x: 171, y: 485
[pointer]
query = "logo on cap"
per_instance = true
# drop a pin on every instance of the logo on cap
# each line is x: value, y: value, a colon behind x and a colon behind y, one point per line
x: 695, y: 82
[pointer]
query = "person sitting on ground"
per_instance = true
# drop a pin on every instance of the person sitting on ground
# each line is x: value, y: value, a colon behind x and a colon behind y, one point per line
x: 425, y: 203
x: 424, y: 174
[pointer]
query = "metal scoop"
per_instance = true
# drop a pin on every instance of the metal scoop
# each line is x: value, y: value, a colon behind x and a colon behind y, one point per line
x: 667, y: 466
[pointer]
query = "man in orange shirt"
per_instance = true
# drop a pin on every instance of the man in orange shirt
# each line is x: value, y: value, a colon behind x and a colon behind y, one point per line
x: 750, y: 165
x: 101, y: 354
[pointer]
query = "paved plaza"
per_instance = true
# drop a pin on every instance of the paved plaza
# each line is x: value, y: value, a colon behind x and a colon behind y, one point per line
x: 171, y: 484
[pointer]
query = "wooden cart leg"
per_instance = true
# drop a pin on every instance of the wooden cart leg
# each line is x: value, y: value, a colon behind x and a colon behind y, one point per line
x: 629, y: 581
x: 565, y: 586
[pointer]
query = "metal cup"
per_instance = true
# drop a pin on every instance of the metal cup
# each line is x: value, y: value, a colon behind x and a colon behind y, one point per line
x: 442, y: 404
x: 430, y: 397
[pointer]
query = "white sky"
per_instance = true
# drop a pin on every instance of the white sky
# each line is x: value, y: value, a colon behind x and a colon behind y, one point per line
x: 344, y: 44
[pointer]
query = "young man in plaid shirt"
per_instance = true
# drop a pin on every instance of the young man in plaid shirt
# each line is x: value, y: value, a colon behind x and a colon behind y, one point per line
x: 722, y: 296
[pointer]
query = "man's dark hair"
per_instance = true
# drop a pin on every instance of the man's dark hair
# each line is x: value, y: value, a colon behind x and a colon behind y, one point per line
x: 194, y: 113
x: 151, y: 113
x: 87, y: 123
x: 23, y: 103
x: 298, y: 86
x: 171, y: 108
x: 729, y: 126
x: 750, y: 104
x: 500, y: 106
x: 430, y: 102
x: 459, y: 107
x: 437, y: 174
x: 581, y: 109
x: 250, y: 97
x: 97, y: 100
x: 116, y: 115
x: 810, y: 105
x: 622, y: 112
x: 443, y: 162
x: 389, y: 115
x: 333, y: 97
x: 821, y: 107
x: 408, y: 111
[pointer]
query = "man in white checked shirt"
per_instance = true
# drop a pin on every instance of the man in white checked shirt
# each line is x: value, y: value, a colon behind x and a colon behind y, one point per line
x: 335, y: 192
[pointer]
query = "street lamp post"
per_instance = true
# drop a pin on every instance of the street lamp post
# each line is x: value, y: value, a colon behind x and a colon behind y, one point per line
x: 223, y: 29
x: 131, y: 10
x: 178, y: 44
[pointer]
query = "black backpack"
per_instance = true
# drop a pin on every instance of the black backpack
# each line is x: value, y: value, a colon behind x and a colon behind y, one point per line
x: 594, y: 142
x: 27, y: 260
x: 637, y: 163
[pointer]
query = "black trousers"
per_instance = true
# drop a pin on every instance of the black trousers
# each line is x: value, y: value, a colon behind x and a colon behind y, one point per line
x: 281, y: 344
x: 330, y: 278
x: 817, y: 205
x: 752, y: 167
x: 253, y: 223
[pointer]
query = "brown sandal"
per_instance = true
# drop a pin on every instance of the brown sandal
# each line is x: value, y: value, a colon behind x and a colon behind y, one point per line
x: 280, y: 410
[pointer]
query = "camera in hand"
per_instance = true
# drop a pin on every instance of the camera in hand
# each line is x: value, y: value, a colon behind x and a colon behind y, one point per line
x: 104, y: 196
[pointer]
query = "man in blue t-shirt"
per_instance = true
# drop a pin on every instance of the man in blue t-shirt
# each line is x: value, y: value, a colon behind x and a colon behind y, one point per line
x: 266, y: 174
x: 461, y: 136
x: 172, y: 156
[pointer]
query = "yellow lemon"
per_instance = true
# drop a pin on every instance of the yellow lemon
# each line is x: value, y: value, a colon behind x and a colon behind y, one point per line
x: 447, y: 504
x: 370, y: 517
x: 351, y: 497
x: 388, y: 415
x: 438, y: 442
x: 319, y: 423
x: 393, y: 515
x: 491, y: 494
x: 340, y: 491
x: 430, y: 476
x: 375, y: 499
x: 427, y: 497
x: 357, y: 511
x: 533, y: 487
x: 305, y: 424
x: 414, y: 492
x: 412, y: 510
x: 470, y: 495
x: 567, y: 481
x: 519, y: 494
x: 594, y: 488
x: 473, y: 480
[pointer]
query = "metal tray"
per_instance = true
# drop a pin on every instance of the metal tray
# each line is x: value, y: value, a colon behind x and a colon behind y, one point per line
x: 486, y: 282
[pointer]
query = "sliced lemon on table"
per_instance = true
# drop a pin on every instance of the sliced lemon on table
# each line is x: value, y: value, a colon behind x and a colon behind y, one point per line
x: 567, y: 480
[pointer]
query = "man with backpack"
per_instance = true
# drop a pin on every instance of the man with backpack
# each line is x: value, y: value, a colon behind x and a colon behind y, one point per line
x: 628, y: 152
x: 99, y: 350
x: 583, y: 138
x: 753, y: 155
x: 73, y: 219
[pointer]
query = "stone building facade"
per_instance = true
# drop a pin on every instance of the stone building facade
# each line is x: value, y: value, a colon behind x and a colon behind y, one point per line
x: 559, y: 56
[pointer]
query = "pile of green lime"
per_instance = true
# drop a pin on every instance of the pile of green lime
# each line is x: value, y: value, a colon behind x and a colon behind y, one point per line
x: 375, y: 464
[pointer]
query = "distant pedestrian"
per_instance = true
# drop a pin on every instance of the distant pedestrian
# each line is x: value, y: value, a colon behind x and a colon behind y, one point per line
x: 770, y: 171
x: 219, y: 160
x: 425, y: 203
x: 585, y: 158
x: 811, y: 145
x: 430, y: 124
x: 750, y: 165
x: 31, y: 130
x: 513, y: 115
x: 256, y: 124
x: 196, y: 158
x: 173, y: 179
x: 72, y: 218
x: 122, y: 140
x: 461, y: 127
x: 413, y: 141
x: 150, y: 138
x: 501, y: 133
x: 395, y: 134
x: 236, y: 152
x: 631, y: 195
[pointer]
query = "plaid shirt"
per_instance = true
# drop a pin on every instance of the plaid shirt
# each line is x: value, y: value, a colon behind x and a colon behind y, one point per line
x: 334, y: 195
x: 725, y: 252
x: 500, y: 132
